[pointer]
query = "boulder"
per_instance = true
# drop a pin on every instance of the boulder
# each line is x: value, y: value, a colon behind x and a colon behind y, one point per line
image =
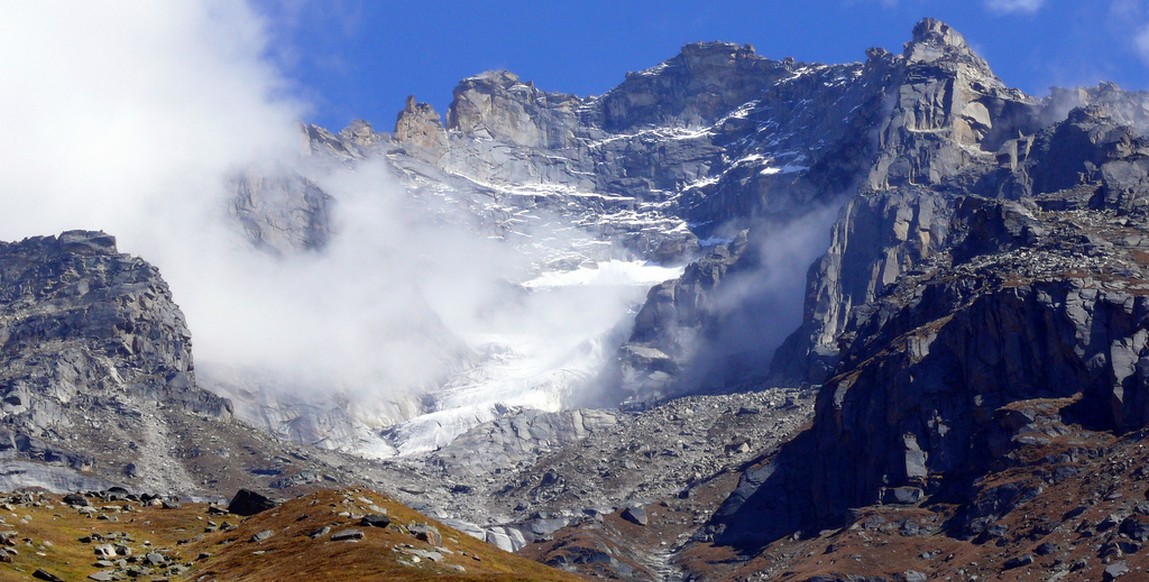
x: 247, y: 502
x: 635, y: 514
x: 375, y: 520
x: 902, y: 495
x: 42, y: 574
x: 76, y: 500
x: 427, y: 533
x: 1115, y: 570
x: 347, y: 535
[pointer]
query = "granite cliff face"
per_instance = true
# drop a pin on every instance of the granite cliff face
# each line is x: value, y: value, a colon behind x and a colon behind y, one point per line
x: 930, y: 154
x: 283, y: 214
x: 1030, y: 300
x: 98, y: 385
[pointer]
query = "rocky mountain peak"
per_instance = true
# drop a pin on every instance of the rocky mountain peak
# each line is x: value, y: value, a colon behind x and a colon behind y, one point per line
x: 950, y: 113
x: 80, y: 241
x: 703, y: 53
x: 935, y: 43
x: 419, y: 129
x: 360, y: 133
x: 933, y: 33
x: 498, y: 105
x: 702, y: 82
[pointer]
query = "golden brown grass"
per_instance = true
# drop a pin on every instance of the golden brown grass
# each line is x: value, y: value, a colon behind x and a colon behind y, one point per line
x: 50, y: 540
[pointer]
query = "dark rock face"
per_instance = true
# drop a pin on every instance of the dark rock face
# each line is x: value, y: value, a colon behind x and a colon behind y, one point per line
x: 655, y: 362
x: 880, y: 236
x: 1042, y: 299
x: 945, y: 132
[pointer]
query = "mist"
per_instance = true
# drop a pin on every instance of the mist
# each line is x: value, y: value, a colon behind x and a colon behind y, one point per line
x: 760, y: 303
x: 132, y: 117
x: 135, y: 118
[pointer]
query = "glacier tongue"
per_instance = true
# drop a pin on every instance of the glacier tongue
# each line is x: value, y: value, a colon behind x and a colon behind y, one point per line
x: 615, y: 272
x: 551, y: 366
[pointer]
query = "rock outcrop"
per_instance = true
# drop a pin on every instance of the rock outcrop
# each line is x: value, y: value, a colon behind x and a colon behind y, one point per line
x: 90, y: 338
x: 97, y: 381
x: 949, y: 113
x: 81, y: 319
x: 702, y: 83
x: 498, y: 105
x: 880, y: 236
x: 419, y: 130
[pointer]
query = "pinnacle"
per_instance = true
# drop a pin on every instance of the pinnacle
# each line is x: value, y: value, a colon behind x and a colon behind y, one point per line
x: 934, y: 40
x: 934, y: 31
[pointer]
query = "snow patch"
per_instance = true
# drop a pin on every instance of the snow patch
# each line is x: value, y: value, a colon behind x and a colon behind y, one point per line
x: 787, y: 169
x: 606, y: 273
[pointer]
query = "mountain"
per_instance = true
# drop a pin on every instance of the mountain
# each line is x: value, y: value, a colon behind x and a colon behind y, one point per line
x: 737, y: 318
x: 964, y: 321
x: 670, y: 165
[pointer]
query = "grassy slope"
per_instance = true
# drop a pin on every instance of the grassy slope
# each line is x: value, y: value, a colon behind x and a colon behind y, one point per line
x: 49, y: 539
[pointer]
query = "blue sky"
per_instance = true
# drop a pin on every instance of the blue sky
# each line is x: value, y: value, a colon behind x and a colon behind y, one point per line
x: 360, y: 59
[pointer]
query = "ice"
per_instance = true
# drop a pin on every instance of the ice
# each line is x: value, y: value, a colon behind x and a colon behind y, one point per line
x: 652, y: 71
x: 606, y: 273
x: 787, y: 169
x: 543, y: 368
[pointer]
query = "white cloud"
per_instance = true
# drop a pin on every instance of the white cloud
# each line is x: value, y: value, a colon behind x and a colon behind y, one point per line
x: 131, y: 116
x: 118, y: 107
x: 1141, y: 43
x: 1014, y: 6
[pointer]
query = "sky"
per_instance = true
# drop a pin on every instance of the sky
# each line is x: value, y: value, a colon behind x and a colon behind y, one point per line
x: 360, y: 59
